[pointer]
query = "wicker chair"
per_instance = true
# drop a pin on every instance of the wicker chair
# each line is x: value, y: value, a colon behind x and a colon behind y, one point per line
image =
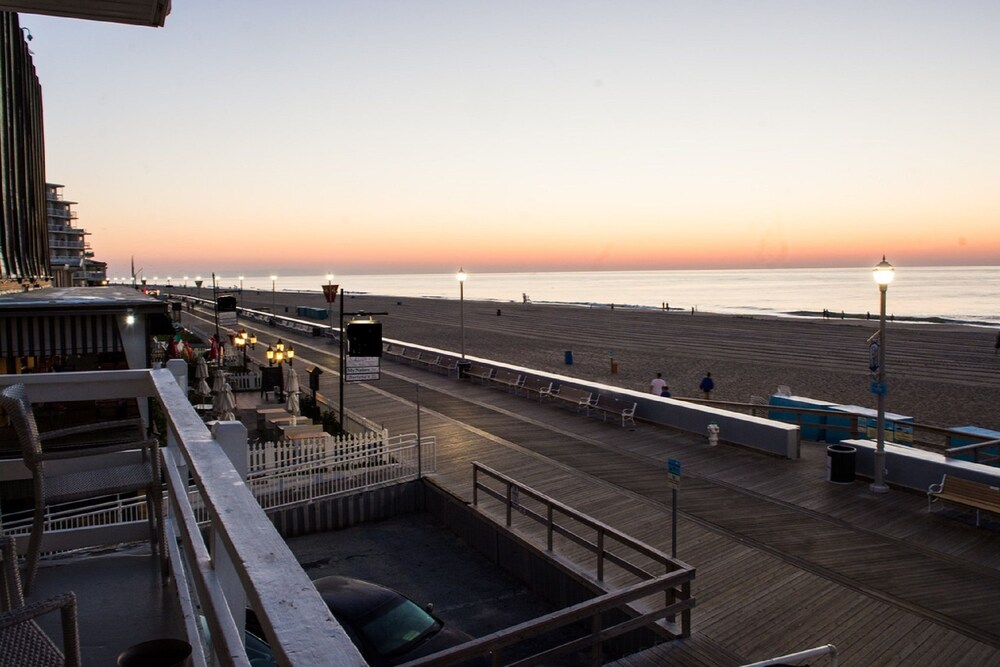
x: 22, y: 642
x: 75, y: 443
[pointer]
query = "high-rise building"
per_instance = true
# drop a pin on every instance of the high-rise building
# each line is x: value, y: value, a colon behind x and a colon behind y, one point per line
x: 70, y: 255
x: 24, y: 243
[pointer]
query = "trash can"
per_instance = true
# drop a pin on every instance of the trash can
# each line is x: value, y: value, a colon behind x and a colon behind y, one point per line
x: 568, y: 357
x: 840, y: 464
x: 157, y: 653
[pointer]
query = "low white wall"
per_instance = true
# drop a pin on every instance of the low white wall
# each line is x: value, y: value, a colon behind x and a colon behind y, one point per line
x: 916, y: 468
x: 754, y: 432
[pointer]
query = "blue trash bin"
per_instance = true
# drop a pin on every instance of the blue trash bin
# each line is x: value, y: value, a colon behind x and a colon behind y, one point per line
x: 568, y: 356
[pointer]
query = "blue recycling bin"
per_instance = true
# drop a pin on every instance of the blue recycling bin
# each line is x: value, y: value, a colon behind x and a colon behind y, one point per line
x: 568, y: 357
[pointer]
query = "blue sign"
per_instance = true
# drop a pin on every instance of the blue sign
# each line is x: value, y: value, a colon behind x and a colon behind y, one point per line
x: 879, y: 389
x: 673, y: 473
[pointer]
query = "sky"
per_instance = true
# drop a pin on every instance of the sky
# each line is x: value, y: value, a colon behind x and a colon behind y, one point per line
x: 368, y: 136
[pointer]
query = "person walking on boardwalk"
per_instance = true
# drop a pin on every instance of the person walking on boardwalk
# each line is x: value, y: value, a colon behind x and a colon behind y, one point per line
x: 657, y: 385
x: 707, y: 385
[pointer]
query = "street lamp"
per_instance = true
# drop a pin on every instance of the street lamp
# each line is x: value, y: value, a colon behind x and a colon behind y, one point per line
x: 273, y: 279
x: 279, y: 353
x: 241, y: 291
x: 242, y: 340
x: 883, y: 274
x: 460, y: 277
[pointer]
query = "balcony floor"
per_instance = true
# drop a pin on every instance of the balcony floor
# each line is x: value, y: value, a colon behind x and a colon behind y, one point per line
x: 119, y: 596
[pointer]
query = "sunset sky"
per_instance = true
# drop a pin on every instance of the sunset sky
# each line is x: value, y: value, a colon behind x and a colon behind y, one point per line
x: 388, y: 136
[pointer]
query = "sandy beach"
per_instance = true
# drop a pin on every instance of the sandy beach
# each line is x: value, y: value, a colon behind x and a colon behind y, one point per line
x: 942, y: 375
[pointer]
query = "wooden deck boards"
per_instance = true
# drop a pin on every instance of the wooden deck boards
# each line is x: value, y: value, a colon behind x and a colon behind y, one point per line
x: 785, y: 560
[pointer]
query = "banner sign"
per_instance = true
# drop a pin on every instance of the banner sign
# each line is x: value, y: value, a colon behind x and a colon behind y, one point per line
x: 330, y: 292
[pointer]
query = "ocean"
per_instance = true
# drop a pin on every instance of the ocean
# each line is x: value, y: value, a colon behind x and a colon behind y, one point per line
x: 966, y: 295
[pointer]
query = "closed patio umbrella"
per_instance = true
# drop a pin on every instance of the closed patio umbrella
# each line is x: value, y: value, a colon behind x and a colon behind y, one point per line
x: 227, y: 404
x: 292, y: 381
x: 203, y: 389
x: 219, y: 381
x: 292, y: 405
x: 201, y: 369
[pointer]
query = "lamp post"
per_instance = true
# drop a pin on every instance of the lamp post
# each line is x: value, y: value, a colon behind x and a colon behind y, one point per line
x: 243, y: 340
x: 883, y: 274
x: 241, y: 291
x: 273, y: 279
x: 460, y: 277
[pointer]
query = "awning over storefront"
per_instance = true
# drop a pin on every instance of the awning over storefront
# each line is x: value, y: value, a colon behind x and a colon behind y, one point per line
x: 62, y: 335
x: 80, y: 321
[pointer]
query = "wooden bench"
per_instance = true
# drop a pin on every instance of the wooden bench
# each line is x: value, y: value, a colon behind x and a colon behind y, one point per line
x: 479, y: 372
x: 411, y: 354
x: 609, y: 405
x: 508, y: 378
x: 447, y: 364
x: 574, y: 396
x: 535, y: 385
x: 429, y: 359
x: 977, y: 495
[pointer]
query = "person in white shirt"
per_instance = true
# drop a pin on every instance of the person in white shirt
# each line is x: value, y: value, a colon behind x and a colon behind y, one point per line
x: 657, y: 385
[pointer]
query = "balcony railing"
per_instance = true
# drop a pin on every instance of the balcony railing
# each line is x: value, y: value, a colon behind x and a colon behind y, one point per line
x: 246, y: 560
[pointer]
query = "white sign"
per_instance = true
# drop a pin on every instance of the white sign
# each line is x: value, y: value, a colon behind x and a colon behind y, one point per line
x: 227, y: 319
x: 361, y: 369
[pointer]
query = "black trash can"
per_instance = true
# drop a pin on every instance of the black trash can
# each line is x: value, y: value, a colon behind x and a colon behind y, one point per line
x: 568, y: 357
x: 157, y: 653
x: 840, y: 464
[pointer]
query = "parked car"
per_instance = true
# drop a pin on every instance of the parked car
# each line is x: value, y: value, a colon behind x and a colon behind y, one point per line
x: 387, y: 627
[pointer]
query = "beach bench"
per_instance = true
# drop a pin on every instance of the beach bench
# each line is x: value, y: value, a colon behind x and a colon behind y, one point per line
x: 576, y: 397
x: 535, y: 385
x: 429, y: 360
x: 411, y: 355
x: 508, y: 379
x: 976, y: 495
x: 479, y: 372
x: 447, y: 364
x: 610, y: 405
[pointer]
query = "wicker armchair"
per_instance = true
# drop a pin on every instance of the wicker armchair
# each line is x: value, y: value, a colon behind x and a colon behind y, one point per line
x: 76, y: 443
x: 22, y: 642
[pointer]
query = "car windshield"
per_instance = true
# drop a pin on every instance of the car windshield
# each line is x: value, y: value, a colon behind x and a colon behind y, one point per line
x: 398, y: 627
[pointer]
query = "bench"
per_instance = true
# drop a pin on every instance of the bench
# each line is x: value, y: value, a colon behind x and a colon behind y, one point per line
x: 479, y: 372
x: 574, y: 396
x: 535, y: 385
x: 609, y: 405
x: 411, y: 354
x: 508, y: 378
x: 977, y: 495
x: 447, y: 364
x: 429, y: 359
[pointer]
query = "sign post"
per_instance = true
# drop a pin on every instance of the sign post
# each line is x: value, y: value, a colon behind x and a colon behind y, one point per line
x: 674, y: 480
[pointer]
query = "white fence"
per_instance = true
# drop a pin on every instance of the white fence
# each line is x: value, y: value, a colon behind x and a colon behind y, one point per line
x: 280, y: 474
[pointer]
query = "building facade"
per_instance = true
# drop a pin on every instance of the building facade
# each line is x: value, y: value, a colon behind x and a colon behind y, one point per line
x: 24, y: 243
x: 71, y: 258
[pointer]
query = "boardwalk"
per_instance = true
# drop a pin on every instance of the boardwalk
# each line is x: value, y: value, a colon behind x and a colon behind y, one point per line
x: 785, y: 561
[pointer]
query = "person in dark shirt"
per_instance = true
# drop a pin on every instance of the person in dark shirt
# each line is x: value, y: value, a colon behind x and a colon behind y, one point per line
x: 707, y: 385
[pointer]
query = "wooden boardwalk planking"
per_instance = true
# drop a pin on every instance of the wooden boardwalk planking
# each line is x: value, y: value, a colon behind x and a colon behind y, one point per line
x: 785, y: 561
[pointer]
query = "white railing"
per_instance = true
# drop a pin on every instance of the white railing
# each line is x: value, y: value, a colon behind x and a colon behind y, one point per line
x: 246, y: 559
x: 355, y: 464
x: 280, y: 474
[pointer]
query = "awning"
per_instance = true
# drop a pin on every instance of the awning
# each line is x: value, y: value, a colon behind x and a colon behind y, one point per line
x: 64, y: 335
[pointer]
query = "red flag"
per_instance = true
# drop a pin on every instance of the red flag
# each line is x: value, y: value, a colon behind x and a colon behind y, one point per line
x: 330, y: 292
